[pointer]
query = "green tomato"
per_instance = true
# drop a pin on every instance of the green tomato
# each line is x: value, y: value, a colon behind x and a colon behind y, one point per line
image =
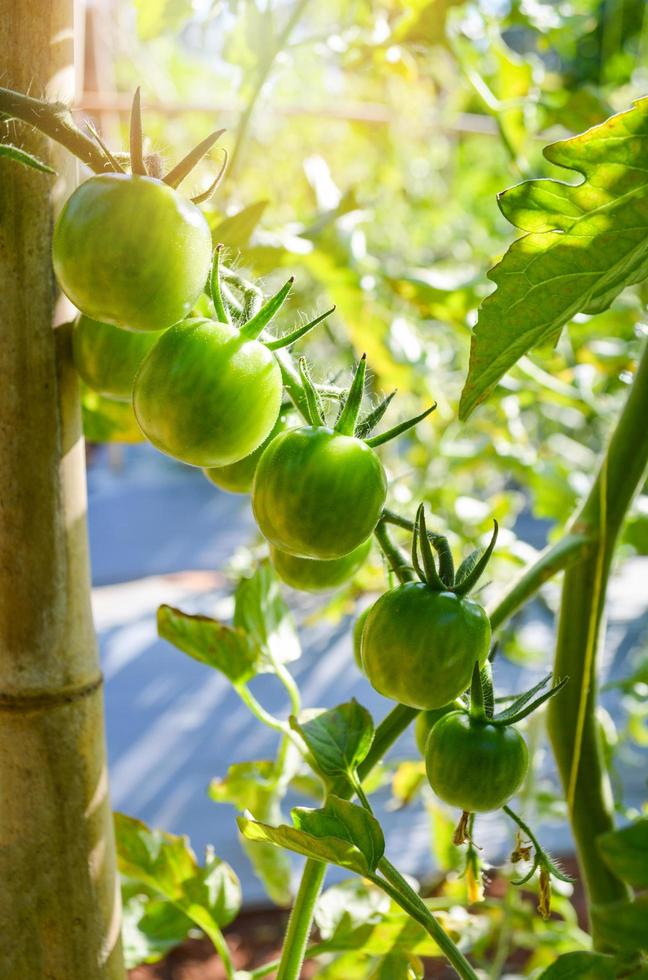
x: 419, y: 647
x: 131, y: 251
x: 206, y: 395
x: 318, y: 494
x: 426, y: 720
x: 358, y: 627
x: 107, y: 420
x: 314, y: 575
x: 238, y: 477
x: 474, y: 765
x: 107, y: 357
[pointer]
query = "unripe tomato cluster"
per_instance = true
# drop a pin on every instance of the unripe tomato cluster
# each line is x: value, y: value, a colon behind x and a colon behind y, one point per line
x: 134, y: 256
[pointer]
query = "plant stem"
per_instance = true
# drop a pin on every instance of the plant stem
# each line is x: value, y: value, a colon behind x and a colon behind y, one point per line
x: 263, y: 72
x: 301, y: 917
x: 386, y: 734
x: 572, y: 722
x: 53, y: 119
x: 552, y: 560
x: 392, y: 553
x: 405, y: 896
x: 221, y: 947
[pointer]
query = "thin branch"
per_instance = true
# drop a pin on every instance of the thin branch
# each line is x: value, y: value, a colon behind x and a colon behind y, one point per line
x: 53, y: 120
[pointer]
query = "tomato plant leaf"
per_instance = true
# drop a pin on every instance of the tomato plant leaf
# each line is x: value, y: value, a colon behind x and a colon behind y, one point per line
x: 581, y: 966
x: 229, y: 650
x: 339, y: 739
x: 625, y: 851
x: 260, y: 611
x: 623, y: 925
x: 210, y: 895
x: 15, y: 153
x: 333, y: 850
x: 236, y: 231
x: 585, y: 243
x: 340, y: 833
x: 347, y: 821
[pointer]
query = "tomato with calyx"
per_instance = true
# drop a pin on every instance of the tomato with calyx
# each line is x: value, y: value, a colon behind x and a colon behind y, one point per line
x: 238, y: 477
x: 317, y: 493
x: 475, y: 765
x: 206, y: 394
x: 131, y: 251
x: 426, y: 720
x: 315, y: 575
x: 107, y: 357
x: 419, y: 646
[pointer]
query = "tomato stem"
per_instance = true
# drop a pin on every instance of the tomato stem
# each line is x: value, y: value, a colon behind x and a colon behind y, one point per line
x: 300, y: 921
x: 215, y: 288
x: 54, y: 120
x: 571, y: 718
x: 393, y: 554
x: 404, y: 895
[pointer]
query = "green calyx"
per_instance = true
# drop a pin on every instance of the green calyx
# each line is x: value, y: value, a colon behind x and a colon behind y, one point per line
x: 349, y: 422
x: 150, y: 166
x: 261, y: 315
x: 483, y: 701
x: 439, y: 574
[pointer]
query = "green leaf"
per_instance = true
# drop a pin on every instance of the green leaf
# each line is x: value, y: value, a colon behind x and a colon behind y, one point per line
x: 329, y: 849
x: 339, y: 739
x: 236, y: 231
x: 623, y: 925
x: 625, y: 851
x: 22, y: 156
x: 150, y: 928
x: 229, y: 650
x: 581, y: 966
x: 339, y: 833
x: 260, y: 611
x: 253, y: 786
x: 585, y: 242
x: 348, y: 822
x: 209, y: 895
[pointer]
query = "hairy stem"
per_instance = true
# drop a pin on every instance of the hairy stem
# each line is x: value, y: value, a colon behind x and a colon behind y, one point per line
x: 572, y: 722
x: 53, y: 119
x: 301, y: 918
x: 402, y: 893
